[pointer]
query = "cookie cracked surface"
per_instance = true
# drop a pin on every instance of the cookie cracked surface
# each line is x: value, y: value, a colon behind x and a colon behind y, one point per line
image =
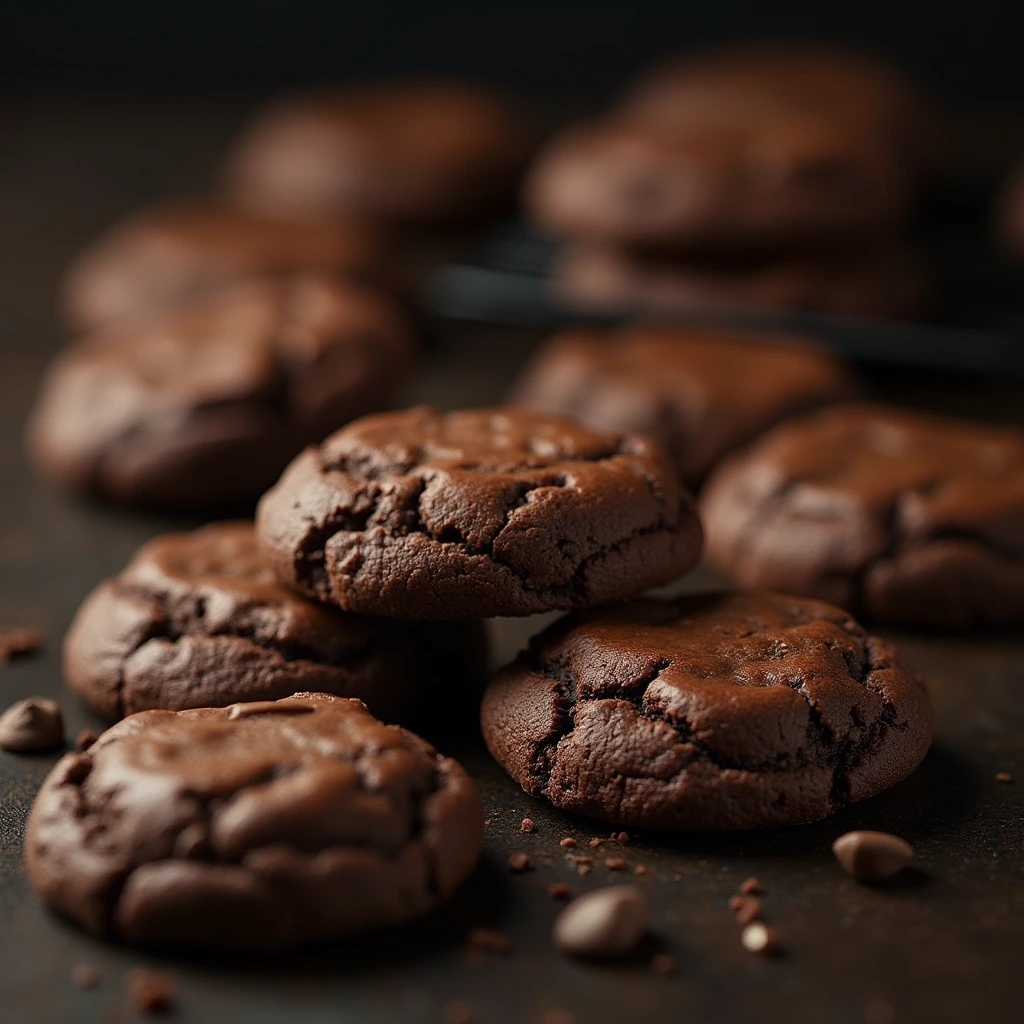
x: 708, y: 712
x: 422, y: 514
x: 903, y: 517
x: 255, y: 826
x: 198, y: 620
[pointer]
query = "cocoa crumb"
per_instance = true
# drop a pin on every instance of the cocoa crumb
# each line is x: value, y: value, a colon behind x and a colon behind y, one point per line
x: 584, y: 869
x: 595, y: 842
x: 746, y: 909
x: 559, y: 891
x: 751, y: 887
x: 623, y: 837
x: 519, y: 862
x: 568, y: 842
x: 527, y: 826
x: 150, y: 991
x: 614, y: 863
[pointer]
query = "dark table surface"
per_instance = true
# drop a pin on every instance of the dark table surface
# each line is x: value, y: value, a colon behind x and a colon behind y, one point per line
x: 945, y: 942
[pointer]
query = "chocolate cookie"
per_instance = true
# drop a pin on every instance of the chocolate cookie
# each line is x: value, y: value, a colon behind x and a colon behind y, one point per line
x: 748, y: 177
x: 421, y: 514
x: 708, y: 712
x: 256, y: 826
x: 861, y: 93
x: 418, y: 152
x: 176, y: 251
x: 700, y: 392
x: 904, y: 517
x: 197, y: 620
x: 883, y: 280
x: 203, y: 406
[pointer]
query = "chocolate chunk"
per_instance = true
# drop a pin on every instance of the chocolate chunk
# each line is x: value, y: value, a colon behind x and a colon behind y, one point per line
x: 872, y: 856
x: 32, y: 725
x: 604, y: 923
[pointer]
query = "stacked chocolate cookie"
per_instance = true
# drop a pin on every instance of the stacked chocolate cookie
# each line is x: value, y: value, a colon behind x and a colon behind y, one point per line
x: 763, y: 176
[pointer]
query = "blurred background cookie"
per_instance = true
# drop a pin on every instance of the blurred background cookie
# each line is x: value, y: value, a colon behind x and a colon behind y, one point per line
x: 202, y: 406
x: 428, y: 152
x: 183, y: 249
x: 701, y: 392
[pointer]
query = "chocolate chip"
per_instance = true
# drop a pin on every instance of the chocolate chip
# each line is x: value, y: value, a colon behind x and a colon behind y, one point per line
x: 487, y: 940
x: 559, y: 891
x: 614, y: 863
x: 759, y: 938
x: 663, y: 963
x: 604, y: 923
x: 872, y: 856
x: 567, y: 842
x: 527, y: 825
x: 32, y: 725
x: 17, y: 642
x: 1004, y: 777
x: 519, y: 862
x: 150, y: 991
x: 750, y: 887
x: 85, y: 977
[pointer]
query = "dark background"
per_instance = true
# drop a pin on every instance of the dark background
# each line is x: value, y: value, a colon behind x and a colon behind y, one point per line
x: 970, y: 49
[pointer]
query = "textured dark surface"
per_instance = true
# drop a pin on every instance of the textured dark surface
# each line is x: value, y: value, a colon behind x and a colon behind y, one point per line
x: 940, y: 945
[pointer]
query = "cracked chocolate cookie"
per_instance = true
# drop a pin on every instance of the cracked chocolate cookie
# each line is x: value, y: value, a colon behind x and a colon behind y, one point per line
x: 415, y: 152
x: 428, y: 515
x: 203, y: 406
x: 904, y: 517
x: 198, y: 620
x: 181, y: 250
x: 708, y: 712
x: 257, y: 826
x: 700, y: 392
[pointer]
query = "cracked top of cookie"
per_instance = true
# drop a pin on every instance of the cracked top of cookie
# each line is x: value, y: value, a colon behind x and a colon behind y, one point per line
x: 254, y: 808
x: 483, y: 512
x: 701, y: 392
x: 784, y: 707
x: 885, y: 473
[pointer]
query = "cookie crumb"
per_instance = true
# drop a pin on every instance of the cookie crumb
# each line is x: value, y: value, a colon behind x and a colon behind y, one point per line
x: 85, y: 739
x: 527, y: 826
x: 150, y: 991
x: 1004, y: 777
x: 559, y: 891
x: 568, y: 842
x: 519, y: 862
x: 18, y: 642
x: 872, y: 856
x: 751, y: 887
x: 664, y: 964
x: 584, y: 869
x: 614, y: 863
x: 458, y: 1012
x: 32, y: 725
x: 595, y: 842
x: 759, y: 938
x: 85, y: 977
x: 640, y: 869
x: 623, y: 837
x: 487, y: 940
x: 747, y: 909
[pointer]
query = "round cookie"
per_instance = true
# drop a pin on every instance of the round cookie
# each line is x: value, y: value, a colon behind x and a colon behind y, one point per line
x: 886, y: 279
x: 709, y: 712
x: 202, y: 407
x: 488, y: 512
x: 700, y: 392
x: 197, y: 620
x: 748, y: 178
x: 863, y: 94
x: 416, y: 152
x: 258, y: 826
x: 905, y: 518
x: 180, y: 250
